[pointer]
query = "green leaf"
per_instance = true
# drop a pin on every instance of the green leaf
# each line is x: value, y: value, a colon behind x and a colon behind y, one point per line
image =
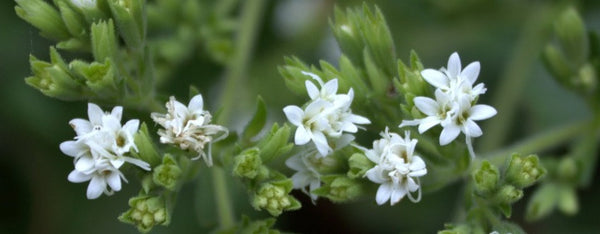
x: 257, y: 122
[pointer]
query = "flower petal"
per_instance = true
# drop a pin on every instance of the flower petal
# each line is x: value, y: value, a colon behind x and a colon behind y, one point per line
x: 417, y: 164
x: 96, y: 187
x: 311, y: 89
x: 359, y: 119
x: 294, y: 114
x: 471, y: 129
x: 78, y: 177
x: 426, y: 105
x: 449, y: 133
x: 454, y: 65
x: 114, y: 181
x: 196, y: 104
x: 398, y: 192
x: 73, y: 148
x: 471, y: 72
x: 95, y: 114
x: 384, y: 192
x: 321, y: 143
x: 81, y: 126
x: 481, y: 112
x: 295, y: 162
x: 413, y: 122
x: 302, y: 136
x: 117, y: 112
x: 85, y: 164
x: 427, y: 123
x: 331, y: 87
x: 314, y: 76
x: 435, y: 78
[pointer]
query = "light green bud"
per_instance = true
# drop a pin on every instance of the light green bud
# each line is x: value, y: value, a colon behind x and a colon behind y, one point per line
x: 129, y: 20
x: 104, y: 41
x: 359, y: 164
x: 101, y: 78
x: 524, y: 171
x: 508, y: 194
x: 168, y: 173
x: 567, y: 200
x: 486, y: 178
x: 248, y: 164
x: 587, y: 79
x: 54, y: 79
x: 275, y: 143
x: 542, y: 202
x: 146, y: 148
x: 146, y: 212
x: 44, y: 17
x: 339, y: 188
x: 292, y: 75
x: 274, y: 197
x: 572, y: 36
x: 567, y: 170
x: 74, y: 21
x: 558, y: 66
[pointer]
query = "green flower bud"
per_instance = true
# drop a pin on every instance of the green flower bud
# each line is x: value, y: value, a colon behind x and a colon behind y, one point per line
x: 146, y: 148
x: 146, y: 212
x: 359, y: 165
x: 339, y: 188
x: 248, y: 164
x: 567, y: 170
x: 558, y: 65
x: 275, y: 143
x: 524, y: 171
x: 567, y: 201
x: 586, y: 79
x: 292, y: 75
x: 101, y: 78
x: 168, y: 173
x: 104, y: 41
x: 274, y: 197
x: 508, y: 194
x: 74, y: 44
x: 44, y: 17
x: 54, y: 79
x: 572, y: 36
x: 129, y: 20
x: 542, y: 202
x: 74, y: 21
x: 486, y: 178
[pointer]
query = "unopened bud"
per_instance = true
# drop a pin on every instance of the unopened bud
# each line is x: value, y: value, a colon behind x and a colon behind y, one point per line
x: 486, y: 178
x: 524, y: 171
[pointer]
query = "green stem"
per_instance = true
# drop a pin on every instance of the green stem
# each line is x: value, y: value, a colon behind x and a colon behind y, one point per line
x: 224, y: 209
x: 540, y: 142
x: 506, y: 97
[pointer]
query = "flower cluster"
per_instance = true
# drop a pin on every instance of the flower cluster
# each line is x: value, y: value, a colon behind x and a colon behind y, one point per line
x: 100, y: 149
x: 189, y: 127
x: 454, y: 107
x: 397, y: 169
x: 327, y: 115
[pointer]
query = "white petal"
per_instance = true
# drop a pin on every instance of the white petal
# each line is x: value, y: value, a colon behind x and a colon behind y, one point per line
x: 314, y: 184
x: 435, y: 78
x: 454, y: 65
x: 343, y: 141
x: 481, y: 112
x: 416, y: 164
x: 131, y: 126
x: 73, y: 148
x: 111, y: 123
x: 409, y: 123
x: 427, y: 105
x: 95, y: 114
x: 331, y: 87
x: 294, y: 114
x: 302, y: 136
x: 96, y: 187
x: 383, y: 193
x: 349, y: 127
x: 449, y: 133
x: 314, y: 76
x: 471, y: 129
x: 117, y: 112
x: 84, y: 164
x: 311, y: 89
x: 78, y: 177
x: 295, y: 162
x: 81, y: 126
x: 196, y: 104
x: 359, y: 119
x: 300, y: 180
x: 398, y: 193
x: 375, y: 175
x: 321, y: 143
x: 138, y: 162
x: 471, y: 72
x: 418, y: 173
x: 411, y: 184
x: 114, y: 181
x: 428, y: 123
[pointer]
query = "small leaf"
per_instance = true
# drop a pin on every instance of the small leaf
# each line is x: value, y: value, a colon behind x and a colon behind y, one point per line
x: 257, y: 122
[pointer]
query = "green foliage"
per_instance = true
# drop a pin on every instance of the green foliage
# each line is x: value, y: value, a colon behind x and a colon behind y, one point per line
x: 339, y: 188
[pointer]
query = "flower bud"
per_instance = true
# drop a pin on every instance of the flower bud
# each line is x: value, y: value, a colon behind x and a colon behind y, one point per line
x: 567, y: 201
x: 359, y: 164
x: 508, y: 194
x: 524, y: 171
x: 567, y: 170
x: 486, y: 178
x: 248, y: 164
x: 275, y: 143
x: 146, y: 149
x: 104, y: 41
x: 558, y: 65
x: 129, y: 20
x: 101, y: 78
x: 168, y: 173
x: 542, y: 202
x: 274, y: 197
x: 339, y: 188
x: 572, y: 36
x: 73, y: 20
x: 54, y: 79
x: 146, y: 212
x: 44, y: 17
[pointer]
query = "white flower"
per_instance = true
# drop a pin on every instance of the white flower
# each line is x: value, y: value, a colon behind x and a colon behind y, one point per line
x: 454, y: 80
x: 327, y: 115
x: 397, y: 169
x: 189, y: 127
x: 99, y: 150
x: 437, y: 110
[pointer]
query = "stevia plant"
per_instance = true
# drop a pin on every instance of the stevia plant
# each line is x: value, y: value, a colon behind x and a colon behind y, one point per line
x: 373, y: 126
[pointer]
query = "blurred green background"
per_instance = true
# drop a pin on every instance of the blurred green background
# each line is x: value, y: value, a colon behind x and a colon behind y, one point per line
x: 37, y: 198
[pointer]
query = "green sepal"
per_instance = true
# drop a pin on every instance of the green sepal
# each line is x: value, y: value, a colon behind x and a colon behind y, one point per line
x: 506, y: 209
x: 275, y: 143
x: 257, y: 123
x: 74, y: 21
x: 351, y: 76
x: 359, y: 164
x: 508, y: 194
x: 146, y: 149
x: 101, y: 78
x: 339, y: 188
x: 129, y: 20
x: 74, y: 44
x: 168, y: 173
x: 104, y: 41
x: 54, y: 79
x: 44, y: 17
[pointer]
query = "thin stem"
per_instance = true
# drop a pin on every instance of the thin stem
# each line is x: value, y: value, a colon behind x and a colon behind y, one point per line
x: 540, y: 142
x: 506, y: 97
x: 224, y: 209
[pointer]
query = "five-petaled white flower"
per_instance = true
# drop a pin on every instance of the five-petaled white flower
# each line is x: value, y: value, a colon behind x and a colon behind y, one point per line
x: 100, y: 149
x: 455, y: 106
x: 189, y: 127
x: 397, y: 169
x: 328, y: 115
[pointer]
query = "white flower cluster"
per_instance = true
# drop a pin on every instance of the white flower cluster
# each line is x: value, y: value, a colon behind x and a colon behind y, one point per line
x: 99, y: 150
x: 454, y: 107
x: 327, y: 115
x: 397, y: 169
x: 189, y: 127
